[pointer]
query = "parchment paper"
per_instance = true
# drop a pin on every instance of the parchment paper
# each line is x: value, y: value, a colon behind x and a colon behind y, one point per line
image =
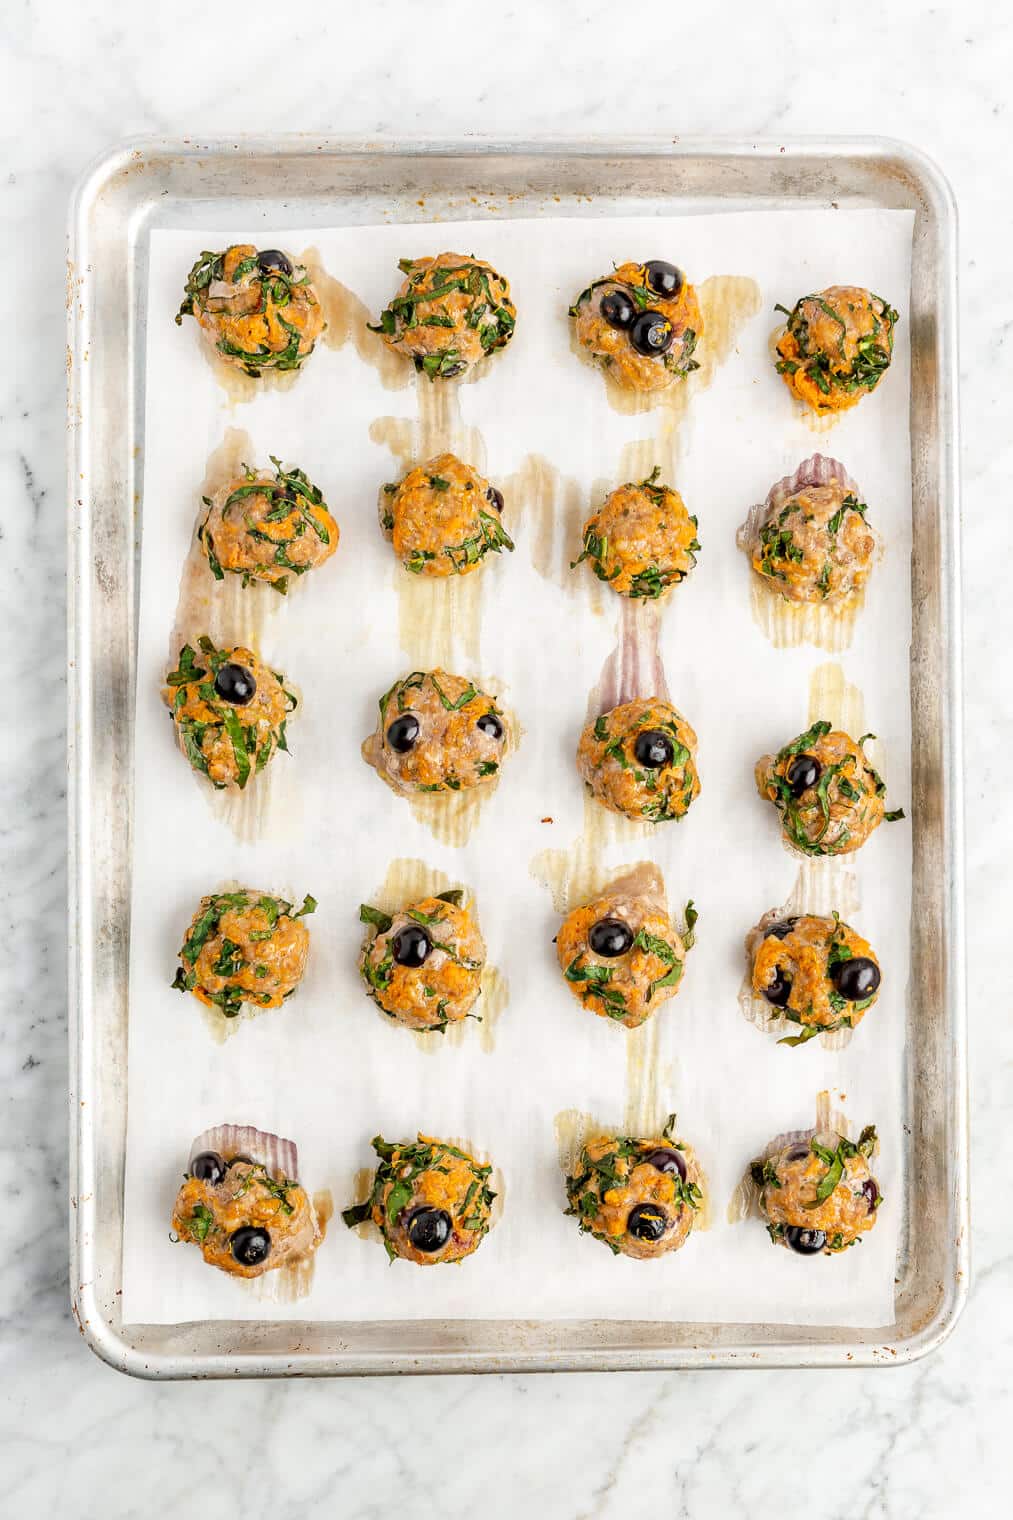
x: 327, y: 1070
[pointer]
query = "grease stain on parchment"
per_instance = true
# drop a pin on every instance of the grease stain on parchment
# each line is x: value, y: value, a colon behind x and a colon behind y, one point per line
x: 294, y: 1281
x: 347, y: 319
x: 788, y: 625
x: 239, y: 387
x: 836, y: 699
x: 551, y: 510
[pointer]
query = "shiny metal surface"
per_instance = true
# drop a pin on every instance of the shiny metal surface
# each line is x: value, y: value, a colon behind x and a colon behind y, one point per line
x: 158, y: 183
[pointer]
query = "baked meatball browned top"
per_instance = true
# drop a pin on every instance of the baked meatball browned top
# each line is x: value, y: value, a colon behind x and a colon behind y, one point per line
x: 621, y: 955
x: 230, y: 712
x: 437, y: 733
x: 641, y: 324
x: 817, y: 972
x: 815, y: 547
x: 819, y: 1195
x: 429, y: 1200
x: 246, y: 1218
x: 449, y: 314
x: 836, y: 346
x: 443, y: 518
x: 258, y: 310
x: 638, y: 1197
x: 267, y: 527
x: 422, y: 965
x: 641, y: 540
x: 640, y: 760
x: 244, y: 947
x: 828, y: 793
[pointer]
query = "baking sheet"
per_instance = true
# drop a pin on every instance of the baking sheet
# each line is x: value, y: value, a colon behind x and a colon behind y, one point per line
x: 327, y: 1071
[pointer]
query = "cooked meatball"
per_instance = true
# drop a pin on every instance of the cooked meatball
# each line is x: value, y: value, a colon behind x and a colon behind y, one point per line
x: 429, y: 1200
x: 836, y: 346
x: 229, y: 710
x: 244, y: 947
x: 819, y: 1195
x: 816, y: 547
x: 267, y: 527
x: 258, y: 310
x: 443, y: 518
x: 448, y: 314
x: 641, y: 540
x: 829, y: 796
x: 640, y: 760
x: 423, y: 964
x: 437, y: 733
x: 639, y: 1197
x: 641, y: 324
x: 247, y: 1217
x: 622, y: 956
x: 817, y: 972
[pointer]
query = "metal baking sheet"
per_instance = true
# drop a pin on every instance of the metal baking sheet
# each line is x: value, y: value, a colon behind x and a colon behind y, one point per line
x: 171, y: 184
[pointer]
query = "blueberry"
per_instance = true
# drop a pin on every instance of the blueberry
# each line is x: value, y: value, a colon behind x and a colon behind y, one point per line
x: 779, y: 990
x: 490, y: 724
x: 235, y: 684
x: 411, y: 945
x: 665, y: 1160
x: 647, y: 1222
x: 495, y: 496
x: 610, y: 937
x: 652, y: 334
x: 803, y: 772
x: 781, y: 929
x: 870, y: 1192
x: 856, y: 979
x: 208, y: 1167
x: 273, y: 258
x: 804, y: 1242
x: 403, y: 733
x: 618, y: 309
x: 428, y: 1229
x: 653, y: 749
x: 664, y: 279
x: 250, y: 1245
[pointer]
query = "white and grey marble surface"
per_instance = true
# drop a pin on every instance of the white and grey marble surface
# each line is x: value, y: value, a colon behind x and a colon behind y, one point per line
x: 80, y: 1440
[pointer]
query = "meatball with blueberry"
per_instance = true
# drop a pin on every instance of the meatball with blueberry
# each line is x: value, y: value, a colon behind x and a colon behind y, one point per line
x: 422, y: 964
x: 640, y: 760
x: 257, y: 308
x: 244, y: 947
x: 816, y: 972
x: 229, y: 710
x: 622, y: 956
x: 640, y: 1198
x: 443, y: 518
x: 641, y: 540
x: 437, y: 733
x: 641, y: 324
x: 827, y: 791
x: 449, y: 314
x: 429, y: 1200
x: 267, y: 526
x: 836, y: 346
x: 818, y: 1194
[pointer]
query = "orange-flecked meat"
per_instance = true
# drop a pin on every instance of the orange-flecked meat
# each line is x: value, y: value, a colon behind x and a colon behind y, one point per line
x: 437, y: 733
x: 443, y: 518
x: 257, y: 309
x: 638, y: 1197
x: 829, y: 795
x: 244, y: 947
x: 229, y: 711
x: 640, y: 760
x: 818, y: 1195
x: 641, y: 324
x: 449, y: 313
x: 641, y: 540
x: 246, y: 1221
x: 836, y: 346
x: 267, y: 527
x: 621, y: 955
x: 422, y: 965
x: 816, y: 972
x: 430, y: 1201
x: 816, y: 547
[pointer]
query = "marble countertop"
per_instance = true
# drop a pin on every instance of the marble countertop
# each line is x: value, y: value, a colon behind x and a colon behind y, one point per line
x: 77, y: 1438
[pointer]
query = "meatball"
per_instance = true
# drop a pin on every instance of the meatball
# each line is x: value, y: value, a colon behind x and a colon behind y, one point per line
x: 448, y: 314
x: 641, y: 324
x: 229, y: 710
x: 622, y: 956
x: 429, y: 1200
x: 244, y: 947
x: 443, y: 518
x: 817, y: 972
x: 258, y: 310
x: 829, y: 795
x: 640, y: 760
x: 423, y: 964
x: 816, y: 546
x: 639, y: 1197
x: 641, y: 540
x: 267, y: 527
x: 437, y: 733
x: 242, y: 1205
x: 819, y: 1195
x: 836, y: 346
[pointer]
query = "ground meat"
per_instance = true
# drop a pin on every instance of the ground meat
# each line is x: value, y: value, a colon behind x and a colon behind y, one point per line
x: 448, y: 314
x: 621, y: 955
x: 437, y: 732
x: 819, y: 1195
x: 423, y: 964
x: 836, y: 346
x: 829, y: 796
x: 639, y: 1197
x: 641, y: 540
x: 816, y: 547
x: 640, y: 354
x: 640, y: 760
x: 443, y: 518
x: 258, y: 310
x: 226, y: 732
x: 816, y: 972
x: 244, y: 947
x: 234, y: 1218
x: 429, y: 1200
x: 267, y: 527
